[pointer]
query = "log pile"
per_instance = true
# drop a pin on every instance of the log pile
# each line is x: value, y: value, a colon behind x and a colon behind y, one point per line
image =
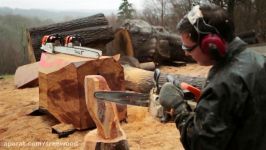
x: 136, y: 79
x: 135, y: 38
x: 94, y: 30
x: 146, y: 43
x: 61, y: 86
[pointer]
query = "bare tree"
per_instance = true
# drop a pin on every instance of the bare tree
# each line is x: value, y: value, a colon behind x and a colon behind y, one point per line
x: 156, y: 11
x: 112, y: 19
x: 247, y: 14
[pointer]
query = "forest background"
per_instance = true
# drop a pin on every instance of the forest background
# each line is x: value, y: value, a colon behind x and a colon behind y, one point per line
x: 248, y: 15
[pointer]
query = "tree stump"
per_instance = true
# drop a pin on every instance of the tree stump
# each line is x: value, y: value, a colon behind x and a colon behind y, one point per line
x: 61, y: 86
x: 109, y: 135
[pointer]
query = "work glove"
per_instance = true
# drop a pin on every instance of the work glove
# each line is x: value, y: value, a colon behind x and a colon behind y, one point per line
x: 171, y: 97
x: 175, y: 82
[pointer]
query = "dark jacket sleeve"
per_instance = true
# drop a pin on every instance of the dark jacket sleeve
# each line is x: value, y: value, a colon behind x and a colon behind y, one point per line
x: 212, y: 124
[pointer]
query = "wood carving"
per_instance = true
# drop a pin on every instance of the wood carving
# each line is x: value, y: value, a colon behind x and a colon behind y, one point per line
x: 109, y: 135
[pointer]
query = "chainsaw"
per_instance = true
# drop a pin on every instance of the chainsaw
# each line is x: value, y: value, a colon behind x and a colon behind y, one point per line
x: 72, y: 46
x: 151, y: 100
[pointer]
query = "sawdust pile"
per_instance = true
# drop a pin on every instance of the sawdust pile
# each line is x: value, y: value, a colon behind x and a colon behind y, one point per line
x: 21, y: 131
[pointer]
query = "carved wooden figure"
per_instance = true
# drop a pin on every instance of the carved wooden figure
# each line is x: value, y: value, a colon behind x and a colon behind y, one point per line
x: 109, y: 135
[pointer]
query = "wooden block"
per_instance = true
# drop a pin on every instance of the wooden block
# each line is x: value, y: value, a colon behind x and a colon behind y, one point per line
x: 61, y: 86
x: 27, y: 75
x: 93, y: 142
x: 63, y: 130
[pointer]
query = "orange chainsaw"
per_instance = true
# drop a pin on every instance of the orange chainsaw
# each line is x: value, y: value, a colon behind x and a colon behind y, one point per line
x: 141, y: 99
x: 72, y: 46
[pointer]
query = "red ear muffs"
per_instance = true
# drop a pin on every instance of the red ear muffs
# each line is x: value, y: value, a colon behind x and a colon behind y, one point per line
x: 213, y: 44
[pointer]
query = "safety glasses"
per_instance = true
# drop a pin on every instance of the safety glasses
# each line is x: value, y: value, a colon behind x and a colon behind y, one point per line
x: 189, y: 49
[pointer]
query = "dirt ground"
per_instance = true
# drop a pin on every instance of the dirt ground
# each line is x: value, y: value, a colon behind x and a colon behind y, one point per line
x: 21, y: 131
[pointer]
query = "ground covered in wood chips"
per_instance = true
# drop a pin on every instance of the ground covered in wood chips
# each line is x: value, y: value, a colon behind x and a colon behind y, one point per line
x: 21, y: 131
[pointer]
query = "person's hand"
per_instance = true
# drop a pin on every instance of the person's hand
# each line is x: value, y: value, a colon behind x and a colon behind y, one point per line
x: 170, y: 96
x: 173, y: 80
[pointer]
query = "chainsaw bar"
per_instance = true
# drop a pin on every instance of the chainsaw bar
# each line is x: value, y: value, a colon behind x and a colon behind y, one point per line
x: 124, y: 97
x: 75, y: 50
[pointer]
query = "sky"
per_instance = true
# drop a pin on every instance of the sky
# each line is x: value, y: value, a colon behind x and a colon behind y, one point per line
x: 68, y: 4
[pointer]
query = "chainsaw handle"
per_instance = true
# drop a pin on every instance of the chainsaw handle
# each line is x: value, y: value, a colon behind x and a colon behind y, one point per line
x: 171, y: 79
x: 192, y: 89
x: 156, y: 77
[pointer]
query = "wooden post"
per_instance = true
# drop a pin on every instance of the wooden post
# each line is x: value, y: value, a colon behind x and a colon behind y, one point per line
x: 109, y: 135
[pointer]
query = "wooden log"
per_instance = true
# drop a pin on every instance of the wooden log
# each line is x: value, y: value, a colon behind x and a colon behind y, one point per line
x: 93, y: 29
x: 30, y: 49
x: 140, y: 80
x: 61, y: 86
x: 63, y: 130
x: 131, y: 61
x: 27, y: 75
x: 154, y: 43
x: 121, y: 44
x: 91, y: 21
x: 247, y: 34
x: 249, y: 37
x: 109, y: 135
x: 147, y: 66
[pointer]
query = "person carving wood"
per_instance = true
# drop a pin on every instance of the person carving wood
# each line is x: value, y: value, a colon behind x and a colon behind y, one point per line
x: 231, y: 111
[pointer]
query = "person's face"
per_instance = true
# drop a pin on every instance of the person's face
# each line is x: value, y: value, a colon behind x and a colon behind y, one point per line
x: 193, y: 49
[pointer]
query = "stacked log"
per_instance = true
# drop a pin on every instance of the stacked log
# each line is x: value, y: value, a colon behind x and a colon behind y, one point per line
x: 94, y: 30
x: 150, y: 43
